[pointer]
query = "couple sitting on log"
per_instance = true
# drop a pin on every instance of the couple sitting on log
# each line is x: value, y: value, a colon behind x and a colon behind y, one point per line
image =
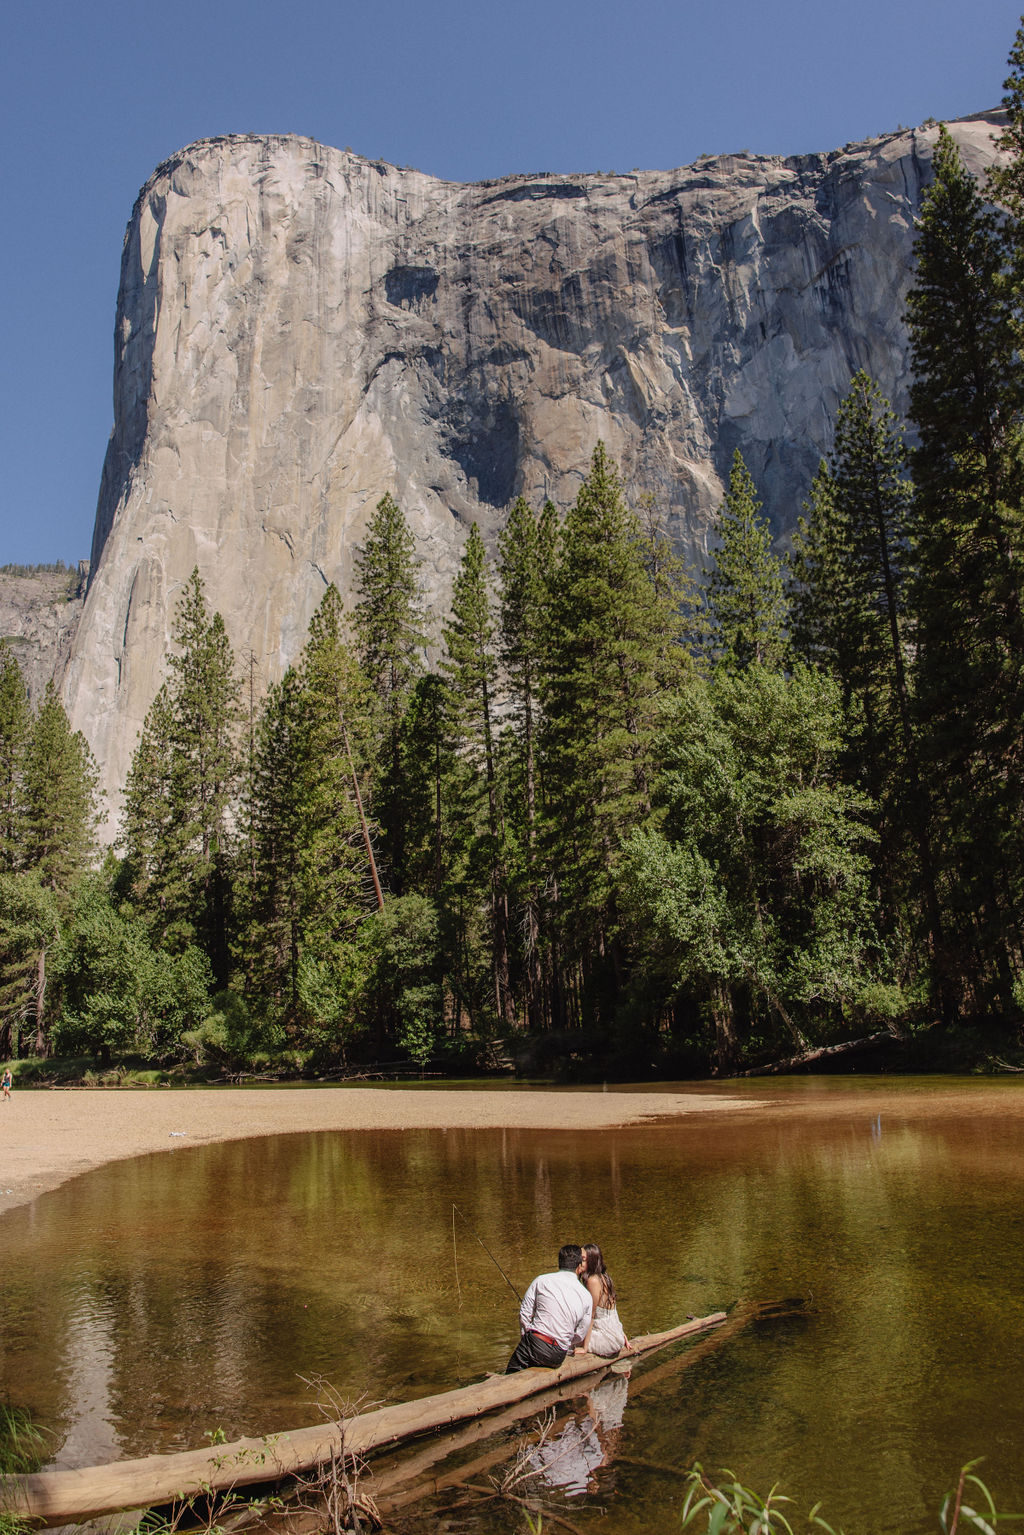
x: 572, y: 1308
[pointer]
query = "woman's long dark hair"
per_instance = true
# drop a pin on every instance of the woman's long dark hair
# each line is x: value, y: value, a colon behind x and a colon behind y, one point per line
x: 595, y: 1266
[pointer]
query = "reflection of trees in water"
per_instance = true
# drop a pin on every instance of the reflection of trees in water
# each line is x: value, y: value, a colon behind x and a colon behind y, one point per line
x: 190, y: 1291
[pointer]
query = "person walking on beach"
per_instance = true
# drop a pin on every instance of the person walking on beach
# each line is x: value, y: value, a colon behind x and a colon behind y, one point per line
x: 5, y: 1082
x: 555, y: 1314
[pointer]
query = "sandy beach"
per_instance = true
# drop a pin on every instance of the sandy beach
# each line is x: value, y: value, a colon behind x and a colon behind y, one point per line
x: 47, y: 1137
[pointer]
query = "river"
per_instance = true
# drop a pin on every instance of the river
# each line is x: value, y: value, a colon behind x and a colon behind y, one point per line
x: 209, y: 1289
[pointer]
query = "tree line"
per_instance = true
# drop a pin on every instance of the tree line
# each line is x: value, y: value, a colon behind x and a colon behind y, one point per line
x: 617, y: 812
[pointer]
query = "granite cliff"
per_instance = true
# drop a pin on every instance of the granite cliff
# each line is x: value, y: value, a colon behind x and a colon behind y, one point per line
x: 39, y: 614
x: 300, y: 330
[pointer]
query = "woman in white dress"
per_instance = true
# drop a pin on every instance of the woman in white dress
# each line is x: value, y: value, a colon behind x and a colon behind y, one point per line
x: 605, y: 1337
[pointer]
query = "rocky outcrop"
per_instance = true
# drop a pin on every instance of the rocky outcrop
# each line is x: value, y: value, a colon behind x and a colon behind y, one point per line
x: 300, y: 330
x: 39, y: 614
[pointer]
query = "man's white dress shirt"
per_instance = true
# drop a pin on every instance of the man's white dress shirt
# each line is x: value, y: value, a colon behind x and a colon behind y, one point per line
x: 558, y: 1305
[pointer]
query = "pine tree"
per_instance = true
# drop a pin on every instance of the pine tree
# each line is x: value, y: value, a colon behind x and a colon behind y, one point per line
x: 58, y: 792
x: 428, y: 768
x: 821, y: 586
x: 29, y: 928
x: 181, y: 788
x: 851, y: 605
x: 470, y: 667
x: 607, y: 657
x: 270, y: 928
x: 746, y: 594
x: 14, y: 731
x: 967, y: 394
x: 388, y: 621
x: 524, y: 564
x: 1006, y: 179
x: 966, y: 402
x: 335, y: 740
x: 388, y: 614
x: 314, y: 864
x: 850, y: 617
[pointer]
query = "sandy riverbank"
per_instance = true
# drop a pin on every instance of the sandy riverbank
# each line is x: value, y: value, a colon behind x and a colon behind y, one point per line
x: 47, y: 1137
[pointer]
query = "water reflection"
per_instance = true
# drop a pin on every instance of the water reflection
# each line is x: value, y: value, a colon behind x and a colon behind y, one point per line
x: 570, y: 1458
x: 154, y: 1301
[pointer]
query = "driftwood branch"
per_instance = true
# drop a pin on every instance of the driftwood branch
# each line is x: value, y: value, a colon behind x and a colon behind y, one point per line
x: 820, y: 1053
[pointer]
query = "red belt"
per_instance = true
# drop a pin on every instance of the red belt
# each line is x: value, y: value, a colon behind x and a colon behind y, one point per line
x: 545, y: 1338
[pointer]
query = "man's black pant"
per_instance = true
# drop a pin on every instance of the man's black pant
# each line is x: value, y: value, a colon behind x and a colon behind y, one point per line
x: 532, y: 1350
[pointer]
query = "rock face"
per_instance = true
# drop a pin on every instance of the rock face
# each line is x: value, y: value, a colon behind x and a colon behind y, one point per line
x: 39, y: 613
x: 300, y: 330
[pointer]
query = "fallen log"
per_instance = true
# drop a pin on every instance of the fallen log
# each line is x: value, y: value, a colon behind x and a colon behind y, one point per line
x: 71, y: 1497
x: 394, y: 1486
x: 821, y: 1053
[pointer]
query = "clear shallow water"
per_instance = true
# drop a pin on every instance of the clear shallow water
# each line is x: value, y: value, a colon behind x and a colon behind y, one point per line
x: 152, y: 1301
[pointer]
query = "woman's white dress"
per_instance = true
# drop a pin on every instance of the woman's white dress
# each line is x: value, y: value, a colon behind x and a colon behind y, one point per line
x: 607, y: 1337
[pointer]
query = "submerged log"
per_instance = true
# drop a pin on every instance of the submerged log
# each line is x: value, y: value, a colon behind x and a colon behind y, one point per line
x: 70, y: 1497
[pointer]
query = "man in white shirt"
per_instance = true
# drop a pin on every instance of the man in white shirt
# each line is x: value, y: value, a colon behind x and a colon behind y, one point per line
x: 554, y: 1315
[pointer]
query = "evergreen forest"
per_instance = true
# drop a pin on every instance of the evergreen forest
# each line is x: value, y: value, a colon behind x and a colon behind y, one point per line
x: 614, y: 816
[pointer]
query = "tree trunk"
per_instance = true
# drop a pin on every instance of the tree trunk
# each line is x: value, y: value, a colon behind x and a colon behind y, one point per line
x: 726, y: 1041
x: 41, y: 1040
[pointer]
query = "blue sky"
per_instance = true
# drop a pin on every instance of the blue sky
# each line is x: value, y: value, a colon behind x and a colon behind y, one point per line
x: 95, y: 93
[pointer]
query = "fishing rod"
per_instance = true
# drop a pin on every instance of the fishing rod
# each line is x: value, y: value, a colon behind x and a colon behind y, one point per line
x: 490, y: 1255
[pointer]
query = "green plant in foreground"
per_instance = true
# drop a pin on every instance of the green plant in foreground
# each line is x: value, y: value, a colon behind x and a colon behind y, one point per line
x: 23, y: 1447
x: 733, y: 1509
x: 956, y: 1514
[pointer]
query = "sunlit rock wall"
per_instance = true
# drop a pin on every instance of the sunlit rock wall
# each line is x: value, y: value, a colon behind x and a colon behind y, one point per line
x: 300, y: 330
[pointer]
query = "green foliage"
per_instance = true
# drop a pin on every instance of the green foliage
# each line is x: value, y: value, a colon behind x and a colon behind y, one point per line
x: 15, y: 725
x: 755, y: 891
x: 388, y: 617
x: 29, y: 927
x: 608, y: 638
x: 117, y: 995
x: 232, y: 1033
x: 48, y: 785
x: 850, y: 564
x: 24, y: 1448
x: 732, y: 1509
x: 402, y: 996
x: 308, y: 886
x: 58, y: 793
x: 729, y: 1508
x: 470, y: 663
x: 388, y: 622
x: 850, y: 617
x: 746, y: 597
x: 329, y: 990
x: 979, y: 1514
x: 527, y: 548
x: 427, y: 756
x: 479, y: 875
x: 51, y: 568
x: 176, y: 826
x: 967, y: 403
